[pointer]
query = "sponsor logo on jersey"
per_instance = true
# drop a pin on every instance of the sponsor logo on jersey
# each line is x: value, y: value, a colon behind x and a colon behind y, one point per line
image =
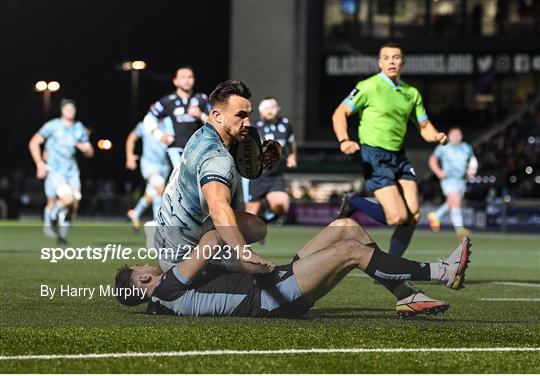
x: 353, y: 93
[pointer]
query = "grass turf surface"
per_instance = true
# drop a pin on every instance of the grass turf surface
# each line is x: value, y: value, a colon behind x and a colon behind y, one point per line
x: 357, y: 314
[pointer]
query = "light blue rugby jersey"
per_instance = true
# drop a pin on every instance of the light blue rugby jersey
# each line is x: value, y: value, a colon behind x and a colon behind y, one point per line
x: 454, y: 159
x: 206, y: 158
x: 60, y: 144
x: 153, y: 150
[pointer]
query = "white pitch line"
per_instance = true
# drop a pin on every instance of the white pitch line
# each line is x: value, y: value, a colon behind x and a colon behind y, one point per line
x: 267, y: 352
x: 510, y: 299
x: 518, y: 284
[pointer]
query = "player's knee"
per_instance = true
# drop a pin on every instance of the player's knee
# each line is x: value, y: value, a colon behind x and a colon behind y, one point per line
x: 348, y: 251
x: 77, y: 195
x: 344, y: 222
x: 155, y: 185
x: 396, y: 219
x: 65, y: 194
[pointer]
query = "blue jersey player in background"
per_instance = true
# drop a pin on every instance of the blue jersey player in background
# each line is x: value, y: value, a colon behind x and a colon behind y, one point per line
x: 154, y: 168
x: 452, y: 164
x: 62, y: 137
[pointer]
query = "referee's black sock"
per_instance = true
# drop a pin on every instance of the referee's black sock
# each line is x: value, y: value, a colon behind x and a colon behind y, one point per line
x: 386, y: 267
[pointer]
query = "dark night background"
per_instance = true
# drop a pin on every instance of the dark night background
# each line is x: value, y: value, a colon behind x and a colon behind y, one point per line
x: 78, y: 43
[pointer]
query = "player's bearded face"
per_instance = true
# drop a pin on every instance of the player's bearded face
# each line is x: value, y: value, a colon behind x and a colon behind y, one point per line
x: 269, y: 109
x: 184, y: 79
x: 234, y: 117
x: 391, y: 61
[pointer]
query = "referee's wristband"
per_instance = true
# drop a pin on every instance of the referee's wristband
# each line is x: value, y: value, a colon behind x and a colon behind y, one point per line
x: 345, y: 140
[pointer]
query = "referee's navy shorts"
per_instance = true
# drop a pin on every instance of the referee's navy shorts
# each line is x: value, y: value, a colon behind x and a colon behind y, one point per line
x: 383, y: 168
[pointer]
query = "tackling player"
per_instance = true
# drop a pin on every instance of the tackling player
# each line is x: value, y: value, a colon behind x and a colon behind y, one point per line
x: 200, y: 188
x: 187, y: 110
x: 62, y: 137
x: 452, y: 164
x: 386, y: 103
x: 154, y: 168
x: 271, y: 184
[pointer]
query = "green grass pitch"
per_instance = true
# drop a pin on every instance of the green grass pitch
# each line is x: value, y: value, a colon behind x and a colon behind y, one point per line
x: 357, y: 314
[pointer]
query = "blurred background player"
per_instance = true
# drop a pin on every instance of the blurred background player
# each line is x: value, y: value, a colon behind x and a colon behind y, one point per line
x: 62, y: 137
x: 453, y: 164
x: 271, y: 186
x: 386, y: 103
x: 187, y: 110
x: 154, y: 168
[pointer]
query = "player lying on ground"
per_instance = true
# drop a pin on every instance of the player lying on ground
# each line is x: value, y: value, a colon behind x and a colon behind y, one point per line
x: 194, y: 288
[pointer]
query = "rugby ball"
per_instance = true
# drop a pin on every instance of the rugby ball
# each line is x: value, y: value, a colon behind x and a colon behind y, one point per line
x: 247, y: 155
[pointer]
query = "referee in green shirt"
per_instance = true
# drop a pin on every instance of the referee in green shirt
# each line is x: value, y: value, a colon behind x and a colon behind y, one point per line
x: 386, y: 104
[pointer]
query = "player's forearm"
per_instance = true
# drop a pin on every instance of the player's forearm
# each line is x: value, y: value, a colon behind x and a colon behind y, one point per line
x: 130, y: 146
x: 428, y: 131
x: 339, y: 123
x: 151, y: 124
x: 225, y: 222
x: 434, y: 165
x: 89, y: 151
x: 35, y: 151
x: 293, y: 148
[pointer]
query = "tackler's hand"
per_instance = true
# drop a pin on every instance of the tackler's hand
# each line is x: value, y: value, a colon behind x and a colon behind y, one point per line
x: 253, y: 258
x: 271, y: 153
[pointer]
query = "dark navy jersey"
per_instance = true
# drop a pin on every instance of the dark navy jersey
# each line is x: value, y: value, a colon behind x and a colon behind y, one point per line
x: 217, y: 292
x: 282, y: 132
x: 177, y: 109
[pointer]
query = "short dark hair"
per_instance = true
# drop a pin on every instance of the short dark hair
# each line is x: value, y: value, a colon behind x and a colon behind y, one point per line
x: 123, y: 280
x: 226, y: 89
x: 65, y: 102
x: 183, y: 67
x: 268, y: 97
x: 391, y: 45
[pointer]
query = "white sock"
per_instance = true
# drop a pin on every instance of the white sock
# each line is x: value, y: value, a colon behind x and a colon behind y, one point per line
x: 457, y: 218
x: 441, y: 211
x: 46, y: 216
x: 437, y: 270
